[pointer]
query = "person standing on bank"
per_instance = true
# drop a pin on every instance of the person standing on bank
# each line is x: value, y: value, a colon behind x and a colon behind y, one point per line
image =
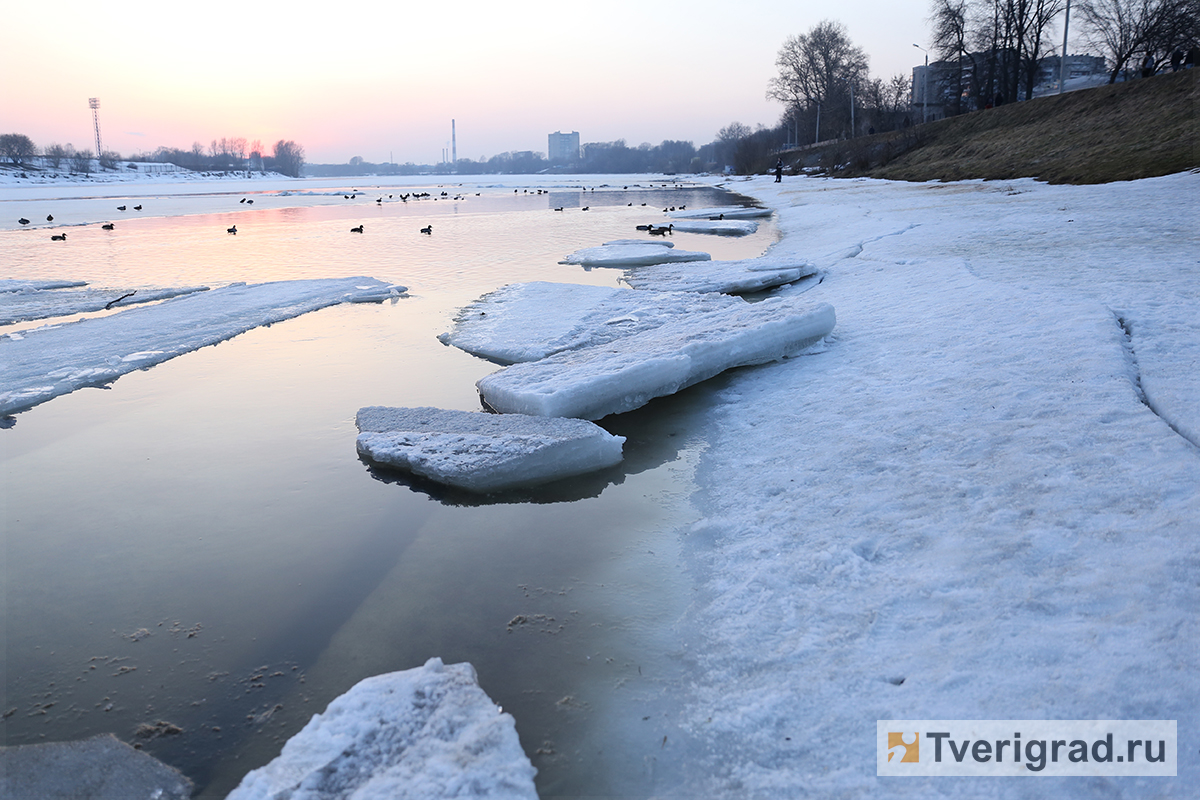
x: 779, y: 171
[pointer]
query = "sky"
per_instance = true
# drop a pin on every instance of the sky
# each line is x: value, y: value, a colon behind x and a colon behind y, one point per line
x: 383, y: 81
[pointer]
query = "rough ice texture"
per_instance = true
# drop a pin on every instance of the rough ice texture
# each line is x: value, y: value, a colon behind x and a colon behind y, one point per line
x: 377, y: 294
x: 484, y: 452
x: 730, y: 277
x: 631, y: 255
x: 724, y: 227
x: 528, y: 321
x: 421, y: 734
x: 726, y: 212
x: 46, y: 362
x: 97, y: 768
x: 659, y: 242
x: 38, y: 303
x: 627, y: 373
x: 19, y: 285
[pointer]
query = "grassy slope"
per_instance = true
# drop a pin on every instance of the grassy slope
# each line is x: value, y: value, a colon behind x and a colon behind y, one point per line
x: 1124, y: 131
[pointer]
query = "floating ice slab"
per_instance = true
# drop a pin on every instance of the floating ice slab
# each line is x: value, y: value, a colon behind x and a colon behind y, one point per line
x: 631, y: 255
x: 726, y: 227
x: 376, y: 294
x: 421, y: 734
x: 659, y: 242
x: 46, y: 362
x: 18, y: 285
x: 730, y: 277
x: 484, y: 452
x: 722, y: 212
x: 100, y: 767
x: 622, y: 375
x: 31, y: 304
x: 528, y: 321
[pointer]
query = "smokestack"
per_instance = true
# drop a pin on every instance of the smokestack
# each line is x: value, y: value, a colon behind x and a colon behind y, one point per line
x: 453, y: 145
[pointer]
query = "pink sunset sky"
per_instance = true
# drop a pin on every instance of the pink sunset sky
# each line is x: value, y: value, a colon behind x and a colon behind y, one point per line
x: 382, y: 81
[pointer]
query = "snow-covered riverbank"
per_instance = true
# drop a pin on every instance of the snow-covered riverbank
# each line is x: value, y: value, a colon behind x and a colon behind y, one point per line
x: 978, y: 502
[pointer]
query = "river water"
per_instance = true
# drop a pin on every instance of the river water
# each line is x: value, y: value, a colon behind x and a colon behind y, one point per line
x: 198, y: 547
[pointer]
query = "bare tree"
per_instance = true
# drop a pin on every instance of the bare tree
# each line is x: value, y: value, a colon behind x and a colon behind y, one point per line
x: 1124, y: 28
x: 55, y: 154
x: 820, y: 69
x: 17, y: 148
x: 81, y: 161
x: 289, y: 158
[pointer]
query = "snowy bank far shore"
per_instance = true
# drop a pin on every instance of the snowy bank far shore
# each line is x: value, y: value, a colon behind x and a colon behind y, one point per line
x: 979, y: 501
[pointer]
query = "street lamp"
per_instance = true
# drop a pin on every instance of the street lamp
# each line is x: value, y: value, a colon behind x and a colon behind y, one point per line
x: 925, y: 87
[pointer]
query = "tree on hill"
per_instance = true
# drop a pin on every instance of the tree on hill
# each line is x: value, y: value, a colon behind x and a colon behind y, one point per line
x: 1123, y: 29
x: 17, y: 148
x: 819, y: 72
x: 289, y: 158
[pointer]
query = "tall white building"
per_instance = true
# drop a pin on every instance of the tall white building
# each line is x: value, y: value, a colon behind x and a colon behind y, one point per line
x: 564, y: 147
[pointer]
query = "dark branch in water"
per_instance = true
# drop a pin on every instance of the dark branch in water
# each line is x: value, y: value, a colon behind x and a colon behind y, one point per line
x: 119, y: 299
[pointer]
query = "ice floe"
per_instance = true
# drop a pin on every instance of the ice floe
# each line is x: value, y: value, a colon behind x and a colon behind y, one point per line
x: 483, y: 452
x: 20, y: 285
x: 528, y: 321
x: 659, y: 242
x: 730, y: 277
x: 724, y: 227
x: 593, y: 382
x: 31, y: 304
x: 376, y: 294
x: 46, y: 362
x: 631, y: 255
x: 420, y: 734
x: 722, y: 212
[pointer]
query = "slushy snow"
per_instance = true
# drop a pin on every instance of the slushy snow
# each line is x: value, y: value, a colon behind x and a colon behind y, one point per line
x: 421, y: 734
x: 731, y: 277
x: 631, y: 255
x: 52, y: 360
x: 483, y: 452
x: 528, y: 321
x: 626, y: 373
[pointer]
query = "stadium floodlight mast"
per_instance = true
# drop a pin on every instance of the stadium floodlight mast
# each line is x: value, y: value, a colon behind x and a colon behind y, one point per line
x: 925, y: 87
x: 94, y: 105
x: 1062, y: 64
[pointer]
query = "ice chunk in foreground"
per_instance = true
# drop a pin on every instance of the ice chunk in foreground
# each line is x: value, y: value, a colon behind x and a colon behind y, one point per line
x: 730, y: 277
x: 421, y: 734
x: 631, y: 255
x: 528, y: 321
x: 622, y: 375
x: 484, y: 452
x: 725, y: 227
x: 56, y: 359
x: 726, y: 212
x: 26, y: 305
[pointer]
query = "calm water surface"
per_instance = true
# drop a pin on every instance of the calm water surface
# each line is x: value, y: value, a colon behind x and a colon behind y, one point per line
x: 198, y: 544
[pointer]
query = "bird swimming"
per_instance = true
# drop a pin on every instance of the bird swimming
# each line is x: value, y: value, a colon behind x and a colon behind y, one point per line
x: 137, y: 208
x: 49, y: 218
x: 120, y: 208
x: 23, y: 221
x: 231, y: 229
x: 108, y: 226
x: 58, y: 237
x: 428, y: 229
x: 359, y: 229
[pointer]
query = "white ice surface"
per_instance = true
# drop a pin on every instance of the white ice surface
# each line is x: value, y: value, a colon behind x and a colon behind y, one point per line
x: 725, y: 227
x: 726, y: 212
x: 659, y: 242
x: 45, y: 362
x: 422, y: 734
x: 731, y: 277
x: 624, y: 374
x: 484, y: 452
x: 961, y: 509
x: 528, y: 321
x: 377, y: 294
x: 631, y: 255
x: 21, y: 285
x: 31, y: 304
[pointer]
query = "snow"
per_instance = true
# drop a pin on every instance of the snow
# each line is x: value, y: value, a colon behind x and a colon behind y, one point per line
x: 18, y: 285
x: 728, y: 227
x: 31, y: 304
x: 631, y: 255
x: 377, y: 294
x: 626, y: 373
x: 726, y: 212
x: 528, y: 321
x: 659, y: 242
x: 483, y: 452
x: 40, y: 364
x: 420, y: 734
x: 962, y: 508
x: 730, y: 277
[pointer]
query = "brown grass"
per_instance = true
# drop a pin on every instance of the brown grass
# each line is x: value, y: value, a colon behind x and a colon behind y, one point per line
x: 1125, y: 131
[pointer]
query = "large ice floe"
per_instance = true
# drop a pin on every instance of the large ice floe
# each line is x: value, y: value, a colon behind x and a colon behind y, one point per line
x: 631, y: 255
x: 483, y: 452
x: 528, y: 321
x: 718, y: 227
x: 21, y: 285
x: 730, y: 277
x: 722, y: 212
x: 626, y: 373
x: 41, y: 303
x: 46, y: 362
x: 639, y: 242
x: 421, y: 734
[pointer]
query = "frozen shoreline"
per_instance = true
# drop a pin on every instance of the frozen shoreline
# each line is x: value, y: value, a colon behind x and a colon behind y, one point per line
x: 964, y: 507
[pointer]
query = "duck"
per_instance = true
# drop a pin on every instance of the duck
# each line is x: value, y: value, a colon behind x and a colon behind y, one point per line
x: 427, y: 230
x: 23, y: 221
x: 242, y: 200
x: 137, y: 208
x: 108, y: 226
x: 49, y: 218
x: 120, y: 208
x: 586, y: 208
x: 662, y: 231
x: 58, y: 237
x: 359, y: 229
x: 560, y: 208
x: 231, y: 229
x: 645, y: 227
x: 249, y: 202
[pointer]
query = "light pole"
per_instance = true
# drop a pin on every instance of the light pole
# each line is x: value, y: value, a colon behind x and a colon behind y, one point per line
x: 1062, y: 65
x: 925, y: 87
